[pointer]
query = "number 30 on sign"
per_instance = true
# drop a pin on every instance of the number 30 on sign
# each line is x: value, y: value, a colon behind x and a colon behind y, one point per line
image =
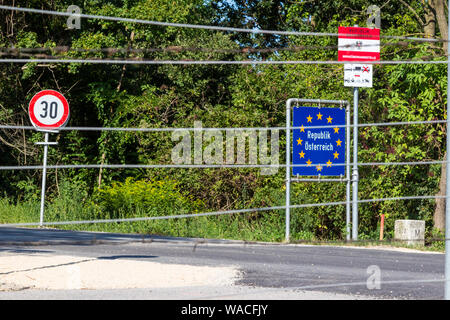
x: 48, y: 109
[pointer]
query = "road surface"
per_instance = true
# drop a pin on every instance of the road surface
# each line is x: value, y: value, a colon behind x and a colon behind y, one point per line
x: 85, y: 265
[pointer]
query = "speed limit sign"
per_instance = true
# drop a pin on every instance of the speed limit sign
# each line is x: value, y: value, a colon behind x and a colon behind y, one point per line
x: 48, y: 109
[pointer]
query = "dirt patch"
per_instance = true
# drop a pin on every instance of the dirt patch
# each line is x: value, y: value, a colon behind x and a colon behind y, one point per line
x: 18, y: 272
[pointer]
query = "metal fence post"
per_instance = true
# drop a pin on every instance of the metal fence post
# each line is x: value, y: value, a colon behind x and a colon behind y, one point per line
x: 347, y: 163
x: 288, y: 168
x: 447, y: 185
x: 44, y: 177
x: 355, y: 174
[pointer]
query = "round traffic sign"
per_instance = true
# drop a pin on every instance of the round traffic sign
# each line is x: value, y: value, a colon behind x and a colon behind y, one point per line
x: 48, y: 109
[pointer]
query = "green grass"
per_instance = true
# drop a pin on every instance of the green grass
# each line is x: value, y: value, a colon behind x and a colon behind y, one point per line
x: 237, y: 226
x: 143, y: 198
x: 24, y: 212
x: 268, y: 227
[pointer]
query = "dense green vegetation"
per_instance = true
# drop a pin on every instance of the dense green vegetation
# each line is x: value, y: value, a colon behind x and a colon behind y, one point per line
x: 154, y: 96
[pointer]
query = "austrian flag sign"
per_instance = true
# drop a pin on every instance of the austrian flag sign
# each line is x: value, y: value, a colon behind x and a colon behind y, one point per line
x: 358, y: 45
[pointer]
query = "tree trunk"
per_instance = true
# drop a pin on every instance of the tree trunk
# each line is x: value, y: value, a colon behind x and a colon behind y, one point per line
x: 429, y: 26
x: 439, y: 8
x: 439, y: 212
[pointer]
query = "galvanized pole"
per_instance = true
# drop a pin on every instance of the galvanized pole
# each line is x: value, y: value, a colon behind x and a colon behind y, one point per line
x: 347, y: 163
x: 288, y: 168
x: 447, y: 186
x: 355, y: 175
x: 44, y: 174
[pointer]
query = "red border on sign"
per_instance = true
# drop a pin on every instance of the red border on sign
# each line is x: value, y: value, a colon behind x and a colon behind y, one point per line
x: 39, y: 124
x: 358, y: 33
x: 358, y: 56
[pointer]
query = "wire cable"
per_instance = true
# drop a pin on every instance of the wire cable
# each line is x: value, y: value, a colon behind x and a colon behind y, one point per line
x: 168, y: 129
x: 178, y: 49
x: 215, y: 166
x: 216, y: 62
x: 223, y: 212
x: 196, y: 26
x: 164, y: 24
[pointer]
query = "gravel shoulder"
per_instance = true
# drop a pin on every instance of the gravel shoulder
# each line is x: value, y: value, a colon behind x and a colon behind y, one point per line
x: 64, y: 277
x: 55, y: 272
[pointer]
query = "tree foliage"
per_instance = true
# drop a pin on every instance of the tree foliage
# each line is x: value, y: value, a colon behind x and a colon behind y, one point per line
x: 153, y: 96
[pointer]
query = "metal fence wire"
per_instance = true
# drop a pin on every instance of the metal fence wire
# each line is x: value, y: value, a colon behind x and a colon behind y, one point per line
x: 351, y: 178
x: 287, y: 165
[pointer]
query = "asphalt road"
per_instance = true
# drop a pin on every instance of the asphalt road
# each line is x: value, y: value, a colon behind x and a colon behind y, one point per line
x: 340, y: 271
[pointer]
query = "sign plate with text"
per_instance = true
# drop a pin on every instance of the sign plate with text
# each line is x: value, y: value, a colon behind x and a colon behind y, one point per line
x: 319, y: 150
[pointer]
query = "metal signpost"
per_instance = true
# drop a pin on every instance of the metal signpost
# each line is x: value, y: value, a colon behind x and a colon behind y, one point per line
x: 48, y: 111
x: 320, y: 147
x: 357, y: 44
x: 447, y: 186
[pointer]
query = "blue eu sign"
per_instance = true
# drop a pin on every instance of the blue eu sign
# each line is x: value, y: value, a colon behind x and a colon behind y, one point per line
x: 318, y: 150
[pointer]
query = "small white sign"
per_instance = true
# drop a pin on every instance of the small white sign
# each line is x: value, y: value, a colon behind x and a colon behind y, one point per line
x: 358, y: 75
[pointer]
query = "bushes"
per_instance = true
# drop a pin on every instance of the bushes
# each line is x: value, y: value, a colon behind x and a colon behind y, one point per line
x: 153, y: 198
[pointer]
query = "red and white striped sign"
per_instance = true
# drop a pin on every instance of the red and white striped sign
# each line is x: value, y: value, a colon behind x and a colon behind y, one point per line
x: 358, y: 44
